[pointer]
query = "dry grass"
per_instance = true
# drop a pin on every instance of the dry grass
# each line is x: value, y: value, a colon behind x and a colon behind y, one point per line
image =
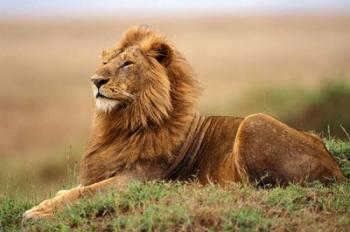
x: 46, y: 64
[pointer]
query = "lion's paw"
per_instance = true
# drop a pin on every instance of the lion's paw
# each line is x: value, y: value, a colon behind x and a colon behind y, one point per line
x: 44, y: 210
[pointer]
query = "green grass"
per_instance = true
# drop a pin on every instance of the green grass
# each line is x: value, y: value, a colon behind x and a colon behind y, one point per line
x: 175, y: 206
x: 341, y: 152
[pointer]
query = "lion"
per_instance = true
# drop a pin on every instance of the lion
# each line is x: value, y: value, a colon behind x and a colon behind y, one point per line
x: 146, y: 128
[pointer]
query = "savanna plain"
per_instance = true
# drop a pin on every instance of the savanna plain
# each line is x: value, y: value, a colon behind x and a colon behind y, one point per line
x: 294, y: 67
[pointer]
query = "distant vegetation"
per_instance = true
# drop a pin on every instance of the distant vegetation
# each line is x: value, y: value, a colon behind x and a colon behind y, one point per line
x: 327, y: 112
x: 174, y: 206
x: 324, y: 110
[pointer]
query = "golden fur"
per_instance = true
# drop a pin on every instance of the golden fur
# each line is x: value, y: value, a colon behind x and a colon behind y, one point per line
x: 145, y: 128
x: 150, y: 123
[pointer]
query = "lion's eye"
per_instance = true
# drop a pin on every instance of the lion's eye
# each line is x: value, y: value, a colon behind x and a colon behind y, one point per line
x: 126, y: 63
x: 104, y: 62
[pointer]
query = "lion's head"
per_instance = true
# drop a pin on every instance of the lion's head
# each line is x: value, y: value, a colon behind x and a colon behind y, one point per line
x: 145, y: 93
x: 142, y: 77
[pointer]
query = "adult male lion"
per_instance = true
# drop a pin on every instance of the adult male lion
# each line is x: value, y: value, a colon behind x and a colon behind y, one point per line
x: 146, y: 128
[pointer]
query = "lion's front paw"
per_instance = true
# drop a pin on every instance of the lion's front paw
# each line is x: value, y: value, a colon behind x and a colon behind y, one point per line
x: 44, y: 210
x: 47, y: 208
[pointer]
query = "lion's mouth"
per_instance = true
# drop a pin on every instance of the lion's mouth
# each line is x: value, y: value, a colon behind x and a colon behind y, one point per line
x: 100, y: 95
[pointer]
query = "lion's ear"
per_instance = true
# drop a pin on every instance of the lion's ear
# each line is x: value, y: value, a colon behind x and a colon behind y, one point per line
x: 162, y: 52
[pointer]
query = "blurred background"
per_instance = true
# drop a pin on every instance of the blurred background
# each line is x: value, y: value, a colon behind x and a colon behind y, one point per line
x: 290, y: 59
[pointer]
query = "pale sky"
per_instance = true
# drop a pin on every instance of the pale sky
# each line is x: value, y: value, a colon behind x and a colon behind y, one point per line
x: 164, y: 7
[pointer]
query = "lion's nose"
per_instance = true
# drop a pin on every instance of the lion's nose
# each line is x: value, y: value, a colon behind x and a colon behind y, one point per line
x: 99, y: 81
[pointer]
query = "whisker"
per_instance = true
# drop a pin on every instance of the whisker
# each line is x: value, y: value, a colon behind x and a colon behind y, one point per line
x: 128, y: 94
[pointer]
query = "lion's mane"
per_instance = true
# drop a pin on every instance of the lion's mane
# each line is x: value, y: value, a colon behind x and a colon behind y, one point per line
x: 153, y: 124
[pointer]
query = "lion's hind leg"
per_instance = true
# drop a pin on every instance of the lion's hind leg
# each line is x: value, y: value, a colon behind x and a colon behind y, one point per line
x: 270, y: 153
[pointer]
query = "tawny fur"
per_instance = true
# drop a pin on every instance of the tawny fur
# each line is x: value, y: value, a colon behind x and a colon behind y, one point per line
x: 149, y: 130
x: 153, y: 123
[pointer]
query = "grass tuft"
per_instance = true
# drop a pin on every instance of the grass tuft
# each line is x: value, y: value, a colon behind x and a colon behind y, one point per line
x: 341, y: 152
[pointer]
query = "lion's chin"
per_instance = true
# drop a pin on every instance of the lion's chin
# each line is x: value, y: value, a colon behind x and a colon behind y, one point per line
x: 105, y: 104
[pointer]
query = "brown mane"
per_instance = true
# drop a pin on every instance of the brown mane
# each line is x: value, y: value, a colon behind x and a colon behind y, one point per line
x: 152, y: 125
